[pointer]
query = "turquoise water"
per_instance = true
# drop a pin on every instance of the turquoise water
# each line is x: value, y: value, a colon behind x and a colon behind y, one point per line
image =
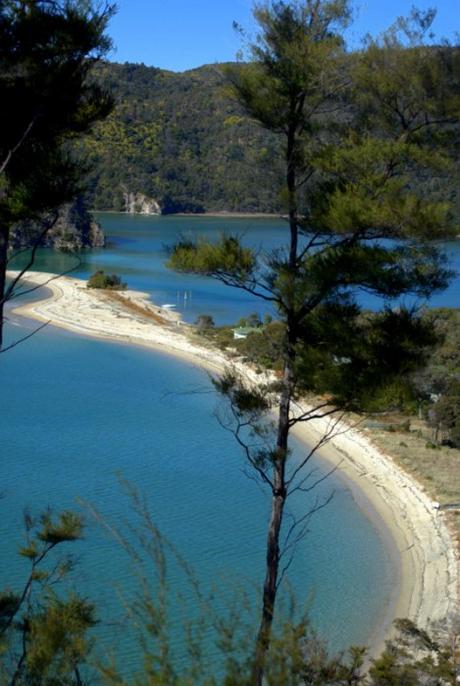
x: 137, y: 252
x: 78, y: 413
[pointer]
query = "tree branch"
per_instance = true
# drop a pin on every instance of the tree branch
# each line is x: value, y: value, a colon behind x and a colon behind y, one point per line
x: 325, y: 438
x: 9, y: 291
x: 24, y: 338
x: 15, y: 148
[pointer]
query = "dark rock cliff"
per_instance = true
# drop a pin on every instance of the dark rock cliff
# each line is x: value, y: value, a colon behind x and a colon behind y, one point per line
x: 75, y: 229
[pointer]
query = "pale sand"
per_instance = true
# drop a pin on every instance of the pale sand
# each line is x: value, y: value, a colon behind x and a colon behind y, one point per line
x: 427, y: 590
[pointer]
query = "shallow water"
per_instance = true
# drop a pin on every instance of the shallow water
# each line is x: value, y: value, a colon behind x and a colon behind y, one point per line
x: 137, y: 252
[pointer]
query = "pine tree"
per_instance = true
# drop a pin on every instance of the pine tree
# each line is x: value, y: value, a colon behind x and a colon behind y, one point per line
x: 43, y: 636
x: 357, y: 132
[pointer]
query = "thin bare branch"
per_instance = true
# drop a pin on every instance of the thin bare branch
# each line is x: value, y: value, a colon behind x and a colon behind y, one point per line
x: 10, y: 290
x: 326, y: 436
x: 248, y: 286
x: 313, y: 413
x: 236, y: 432
x: 16, y: 147
x: 24, y: 338
x: 300, y: 486
x: 54, y: 277
x: 302, y: 525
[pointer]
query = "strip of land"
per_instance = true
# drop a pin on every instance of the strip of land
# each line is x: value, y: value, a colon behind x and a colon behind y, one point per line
x: 427, y: 590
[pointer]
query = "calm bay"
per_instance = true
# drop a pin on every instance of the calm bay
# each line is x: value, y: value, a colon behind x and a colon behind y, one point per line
x: 79, y: 413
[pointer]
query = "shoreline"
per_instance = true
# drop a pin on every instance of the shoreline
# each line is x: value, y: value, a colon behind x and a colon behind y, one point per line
x: 414, y: 531
x: 229, y: 215
x: 217, y: 215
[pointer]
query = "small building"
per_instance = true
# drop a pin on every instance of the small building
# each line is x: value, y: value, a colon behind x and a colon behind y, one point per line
x: 244, y: 331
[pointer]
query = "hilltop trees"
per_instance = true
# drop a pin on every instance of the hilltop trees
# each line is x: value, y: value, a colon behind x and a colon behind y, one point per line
x: 47, y: 50
x: 355, y: 132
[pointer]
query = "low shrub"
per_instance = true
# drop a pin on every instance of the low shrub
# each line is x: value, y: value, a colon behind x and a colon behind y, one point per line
x: 105, y: 281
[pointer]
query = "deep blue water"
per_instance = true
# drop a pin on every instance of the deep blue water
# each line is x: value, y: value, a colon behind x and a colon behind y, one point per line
x: 78, y: 412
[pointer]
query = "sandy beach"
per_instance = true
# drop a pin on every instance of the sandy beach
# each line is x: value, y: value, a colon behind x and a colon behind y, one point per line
x: 427, y: 590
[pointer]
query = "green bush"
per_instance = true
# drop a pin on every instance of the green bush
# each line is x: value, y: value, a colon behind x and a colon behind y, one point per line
x: 106, y: 281
x: 263, y: 349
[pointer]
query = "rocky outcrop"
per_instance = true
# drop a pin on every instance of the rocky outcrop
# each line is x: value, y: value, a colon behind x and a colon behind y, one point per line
x: 75, y: 229
x: 138, y: 203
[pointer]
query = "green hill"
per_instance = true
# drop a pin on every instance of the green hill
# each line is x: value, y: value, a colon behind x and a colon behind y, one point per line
x: 180, y: 139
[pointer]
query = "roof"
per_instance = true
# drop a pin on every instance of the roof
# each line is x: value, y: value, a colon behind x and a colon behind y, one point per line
x: 245, y: 330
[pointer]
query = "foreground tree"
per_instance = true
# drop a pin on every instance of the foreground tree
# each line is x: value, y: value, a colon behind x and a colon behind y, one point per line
x: 358, y: 133
x: 43, y: 636
x: 215, y: 641
x: 47, y: 50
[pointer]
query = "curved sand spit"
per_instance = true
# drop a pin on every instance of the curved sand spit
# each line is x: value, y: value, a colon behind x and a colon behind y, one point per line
x: 427, y: 590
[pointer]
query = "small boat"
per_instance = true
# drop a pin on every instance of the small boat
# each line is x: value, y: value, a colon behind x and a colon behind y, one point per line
x: 168, y: 306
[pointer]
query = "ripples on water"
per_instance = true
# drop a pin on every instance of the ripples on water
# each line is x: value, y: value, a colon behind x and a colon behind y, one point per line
x: 78, y: 412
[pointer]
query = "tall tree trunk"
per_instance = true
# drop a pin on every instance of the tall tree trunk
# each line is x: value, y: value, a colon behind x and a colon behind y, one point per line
x: 4, y: 234
x: 274, y: 530
x: 279, y: 493
x: 270, y: 587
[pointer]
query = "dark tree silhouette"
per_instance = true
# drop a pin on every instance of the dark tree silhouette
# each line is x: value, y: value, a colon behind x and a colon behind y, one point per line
x: 47, y: 50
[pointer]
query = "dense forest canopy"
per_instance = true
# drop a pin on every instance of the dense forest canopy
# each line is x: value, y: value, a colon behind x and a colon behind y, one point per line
x: 181, y: 139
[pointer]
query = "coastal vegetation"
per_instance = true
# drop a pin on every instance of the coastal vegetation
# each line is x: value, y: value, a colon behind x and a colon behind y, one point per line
x: 204, y: 322
x: 181, y: 140
x: 365, y: 228
x: 110, y: 282
x: 446, y: 414
x: 417, y: 393
x: 414, y: 420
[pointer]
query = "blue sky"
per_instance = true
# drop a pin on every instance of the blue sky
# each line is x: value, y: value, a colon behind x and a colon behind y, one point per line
x: 182, y: 34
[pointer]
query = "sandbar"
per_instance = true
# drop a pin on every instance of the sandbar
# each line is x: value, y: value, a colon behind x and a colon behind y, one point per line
x: 427, y: 590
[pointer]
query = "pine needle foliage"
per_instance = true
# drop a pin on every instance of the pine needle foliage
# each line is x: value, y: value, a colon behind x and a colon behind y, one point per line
x: 47, y: 52
x: 43, y: 632
x: 356, y: 131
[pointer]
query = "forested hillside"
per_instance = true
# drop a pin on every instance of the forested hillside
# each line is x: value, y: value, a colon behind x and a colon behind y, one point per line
x: 180, y: 139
